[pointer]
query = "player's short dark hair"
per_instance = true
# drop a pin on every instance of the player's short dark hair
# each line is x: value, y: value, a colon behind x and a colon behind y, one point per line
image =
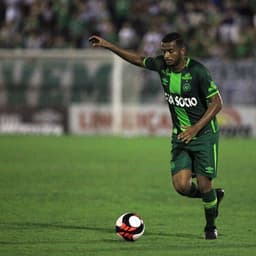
x: 174, y: 36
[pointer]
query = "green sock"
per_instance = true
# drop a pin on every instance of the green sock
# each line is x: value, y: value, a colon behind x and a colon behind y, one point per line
x: 194, y: 191
x: 210, y: 206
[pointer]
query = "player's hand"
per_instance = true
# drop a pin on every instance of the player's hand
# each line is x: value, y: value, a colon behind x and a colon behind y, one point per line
x: 98, y: 41
x: 188, y: 134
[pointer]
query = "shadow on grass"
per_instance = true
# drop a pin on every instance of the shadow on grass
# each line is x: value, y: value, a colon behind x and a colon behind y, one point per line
x: 180, y: 235
x: 31, y: 225
x: 18, y: 226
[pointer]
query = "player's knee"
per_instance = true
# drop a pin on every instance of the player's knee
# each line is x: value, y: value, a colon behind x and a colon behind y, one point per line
x: 182, y: 193
x: 182, y: 187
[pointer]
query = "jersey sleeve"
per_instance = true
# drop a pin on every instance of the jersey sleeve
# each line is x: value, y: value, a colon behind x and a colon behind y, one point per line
x: 207, y: 85
x: 154, y: 63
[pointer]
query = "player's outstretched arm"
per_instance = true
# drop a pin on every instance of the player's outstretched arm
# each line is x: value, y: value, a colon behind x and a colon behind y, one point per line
x: 133, y: 58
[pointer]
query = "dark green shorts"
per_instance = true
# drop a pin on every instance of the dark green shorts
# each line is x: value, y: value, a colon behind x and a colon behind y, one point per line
x: 200, y: 155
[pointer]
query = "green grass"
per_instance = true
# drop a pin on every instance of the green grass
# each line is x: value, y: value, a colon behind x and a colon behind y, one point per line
x: 62, y: 196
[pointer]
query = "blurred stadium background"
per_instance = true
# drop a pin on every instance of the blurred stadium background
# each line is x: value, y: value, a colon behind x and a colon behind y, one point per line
x: 60, y: 195
x: 52, y: 82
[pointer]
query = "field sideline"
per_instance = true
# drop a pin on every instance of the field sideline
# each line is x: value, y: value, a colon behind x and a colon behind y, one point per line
x: 62, y: 195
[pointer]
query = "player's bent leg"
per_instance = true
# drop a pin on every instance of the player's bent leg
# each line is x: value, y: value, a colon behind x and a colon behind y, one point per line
x: 182, y: 182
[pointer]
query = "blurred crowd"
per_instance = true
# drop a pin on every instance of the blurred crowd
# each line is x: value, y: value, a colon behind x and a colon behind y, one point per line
x: 212, y: 28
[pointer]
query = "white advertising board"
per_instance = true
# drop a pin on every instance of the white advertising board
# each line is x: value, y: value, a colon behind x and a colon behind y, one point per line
x: 152, y: 120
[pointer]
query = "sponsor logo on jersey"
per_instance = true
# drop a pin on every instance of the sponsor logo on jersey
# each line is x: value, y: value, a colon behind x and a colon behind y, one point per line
x: 179, y: 101
x: 186, y: 87
x: 187, y: 76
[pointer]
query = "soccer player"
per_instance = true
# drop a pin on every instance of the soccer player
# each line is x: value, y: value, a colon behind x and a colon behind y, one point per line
x: 194, y: 100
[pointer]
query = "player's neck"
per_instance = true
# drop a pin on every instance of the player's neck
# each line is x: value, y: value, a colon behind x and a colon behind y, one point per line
x: 180, y: 65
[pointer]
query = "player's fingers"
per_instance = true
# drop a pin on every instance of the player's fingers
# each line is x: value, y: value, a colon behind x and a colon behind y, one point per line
x: 186, y: 138
x: 183, y: 134
x: 183, y: 137
x: 94, y: 40
x: 93, y: 37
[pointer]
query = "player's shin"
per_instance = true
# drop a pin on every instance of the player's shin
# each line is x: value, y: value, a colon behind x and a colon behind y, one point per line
x: 210, y: 207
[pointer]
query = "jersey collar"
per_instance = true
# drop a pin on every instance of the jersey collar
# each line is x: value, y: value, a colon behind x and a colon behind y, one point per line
x: 187, y: 61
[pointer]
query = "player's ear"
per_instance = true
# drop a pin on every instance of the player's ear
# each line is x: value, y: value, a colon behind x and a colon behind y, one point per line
x: 183, y: 50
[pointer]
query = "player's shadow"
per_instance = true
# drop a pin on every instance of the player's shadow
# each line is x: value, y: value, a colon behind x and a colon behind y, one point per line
x: 54, y: 226
x: 32, y: 225
x: 29, y: 225
x: 179, y: 235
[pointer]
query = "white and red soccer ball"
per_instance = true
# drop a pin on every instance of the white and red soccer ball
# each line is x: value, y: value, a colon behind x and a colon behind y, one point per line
x: 130, y: 226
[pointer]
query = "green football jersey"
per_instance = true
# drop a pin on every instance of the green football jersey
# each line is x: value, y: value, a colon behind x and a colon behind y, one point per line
x: 187, y: 92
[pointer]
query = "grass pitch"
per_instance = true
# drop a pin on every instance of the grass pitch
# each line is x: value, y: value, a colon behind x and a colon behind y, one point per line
x: 62, y: 196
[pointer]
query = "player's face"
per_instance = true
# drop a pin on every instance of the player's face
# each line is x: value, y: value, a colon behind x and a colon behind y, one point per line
x: 173, y: 54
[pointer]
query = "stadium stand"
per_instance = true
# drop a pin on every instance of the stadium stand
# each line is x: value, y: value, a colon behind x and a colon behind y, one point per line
x: 226, y: 28
x: 214, y: 29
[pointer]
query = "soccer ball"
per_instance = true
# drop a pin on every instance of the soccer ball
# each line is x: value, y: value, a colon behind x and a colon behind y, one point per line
x: 130, y: 226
